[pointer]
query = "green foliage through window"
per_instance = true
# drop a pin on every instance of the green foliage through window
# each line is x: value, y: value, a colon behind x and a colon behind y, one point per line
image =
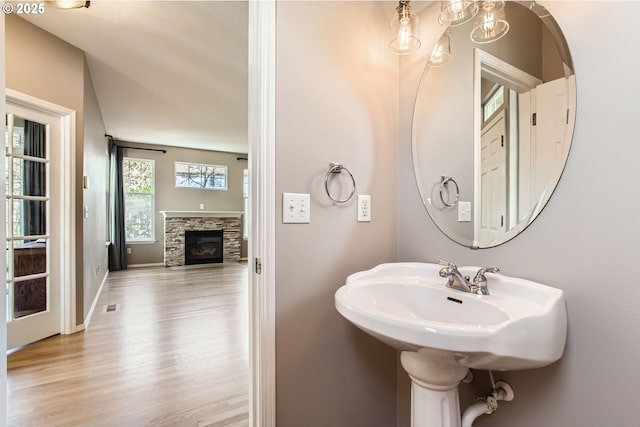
x: 139, y: 192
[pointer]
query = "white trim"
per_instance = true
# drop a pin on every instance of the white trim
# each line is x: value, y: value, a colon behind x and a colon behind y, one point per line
x: 95, y: 301
x: 262, y: 64
x: 68, y: 201
x: 502, y: 72
x: 3, y: 234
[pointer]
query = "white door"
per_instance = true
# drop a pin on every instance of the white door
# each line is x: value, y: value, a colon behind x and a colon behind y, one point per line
x: 551, y: 122
x: 33, y: 225
x: 543, y: 145
x: 493, y: 184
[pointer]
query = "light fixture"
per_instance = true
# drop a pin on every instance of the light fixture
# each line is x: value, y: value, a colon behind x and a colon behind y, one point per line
x: 68, y: 4
x: 490, y: 23
x: 404, y: 30
x: 441, y: 53
x: 457, y: 12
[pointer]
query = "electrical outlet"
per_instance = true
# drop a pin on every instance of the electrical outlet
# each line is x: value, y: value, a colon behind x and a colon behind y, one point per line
x: 128, y: 251
x: 364, y: 208
x: 464, y: 211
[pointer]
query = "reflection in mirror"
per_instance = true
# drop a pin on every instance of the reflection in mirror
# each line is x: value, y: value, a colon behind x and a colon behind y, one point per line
x: 498, y: 118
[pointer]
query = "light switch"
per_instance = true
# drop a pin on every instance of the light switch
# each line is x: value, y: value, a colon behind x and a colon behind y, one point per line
x: 296, y: 208
x: 464, y: 211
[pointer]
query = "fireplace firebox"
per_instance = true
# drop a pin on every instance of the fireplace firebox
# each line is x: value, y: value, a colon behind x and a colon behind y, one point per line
x: 203, y: 246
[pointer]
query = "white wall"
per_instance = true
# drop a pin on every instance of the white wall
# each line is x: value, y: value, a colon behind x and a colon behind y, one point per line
x: 336, y: 101
x: 584, y: 242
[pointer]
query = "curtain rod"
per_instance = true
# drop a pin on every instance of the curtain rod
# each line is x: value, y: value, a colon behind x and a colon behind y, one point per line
x: 134, y: 148
x: 138, y: 148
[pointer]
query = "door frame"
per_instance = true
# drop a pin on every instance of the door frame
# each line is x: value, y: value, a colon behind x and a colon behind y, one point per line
x: 66, y: 247
x: 262, y: 196
x: 487, y: 65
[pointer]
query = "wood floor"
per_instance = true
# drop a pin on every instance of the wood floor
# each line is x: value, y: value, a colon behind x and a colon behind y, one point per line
x: 173, y: 353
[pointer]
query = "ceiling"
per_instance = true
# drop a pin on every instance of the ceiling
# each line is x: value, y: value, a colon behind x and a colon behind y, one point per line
x: 165, y: 72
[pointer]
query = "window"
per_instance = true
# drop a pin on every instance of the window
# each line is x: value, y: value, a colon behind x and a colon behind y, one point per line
x: 494, y: 103
x: 139, y: 192
x: 206, y: 177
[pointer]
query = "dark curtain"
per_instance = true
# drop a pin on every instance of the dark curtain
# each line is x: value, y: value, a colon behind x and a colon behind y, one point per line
x: 118, y: 247
x: 33, y: 179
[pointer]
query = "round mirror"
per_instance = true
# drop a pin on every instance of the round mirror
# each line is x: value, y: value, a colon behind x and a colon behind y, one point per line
x: 493, y: 124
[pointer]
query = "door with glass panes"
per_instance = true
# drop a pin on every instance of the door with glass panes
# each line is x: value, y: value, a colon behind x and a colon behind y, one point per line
x: 33, y: 285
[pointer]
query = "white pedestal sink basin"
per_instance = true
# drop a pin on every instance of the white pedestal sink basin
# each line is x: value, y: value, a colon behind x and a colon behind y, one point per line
x: 443, y: 332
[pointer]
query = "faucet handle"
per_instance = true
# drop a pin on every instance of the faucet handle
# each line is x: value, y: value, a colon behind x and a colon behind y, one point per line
x: 447, y: 263
x: 482, y: 271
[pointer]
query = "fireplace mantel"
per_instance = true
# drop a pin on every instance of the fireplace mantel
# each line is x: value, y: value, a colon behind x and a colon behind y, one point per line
x: 201, y: 214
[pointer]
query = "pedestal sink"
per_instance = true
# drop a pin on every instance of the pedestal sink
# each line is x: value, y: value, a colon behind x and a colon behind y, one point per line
x: 443, y: 332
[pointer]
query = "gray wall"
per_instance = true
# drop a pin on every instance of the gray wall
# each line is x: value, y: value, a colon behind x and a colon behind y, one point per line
x: 336, y: 101
x: 584, y: 242
x: 169, y: 198
x: 96, y: 161
x: 44, y: 66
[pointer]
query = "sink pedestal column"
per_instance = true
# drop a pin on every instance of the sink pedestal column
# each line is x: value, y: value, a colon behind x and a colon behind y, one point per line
x: 434, y: 388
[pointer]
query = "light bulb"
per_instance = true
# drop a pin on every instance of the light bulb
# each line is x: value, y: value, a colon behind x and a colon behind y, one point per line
x: 404, y: 39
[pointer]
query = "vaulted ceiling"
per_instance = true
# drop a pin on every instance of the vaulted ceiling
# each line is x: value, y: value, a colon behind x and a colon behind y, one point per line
x: 165, y: 72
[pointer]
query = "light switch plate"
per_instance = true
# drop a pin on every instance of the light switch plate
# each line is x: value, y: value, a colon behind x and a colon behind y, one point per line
x: 464, y: 211
x: 296, y: 208
x: 364, y: 208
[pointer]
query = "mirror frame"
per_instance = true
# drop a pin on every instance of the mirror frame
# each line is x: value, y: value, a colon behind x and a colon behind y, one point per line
x: 492, y: 67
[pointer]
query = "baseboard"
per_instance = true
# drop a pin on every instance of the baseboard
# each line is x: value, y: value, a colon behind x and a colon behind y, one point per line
x: 93, y: 306
x: 153, y: 264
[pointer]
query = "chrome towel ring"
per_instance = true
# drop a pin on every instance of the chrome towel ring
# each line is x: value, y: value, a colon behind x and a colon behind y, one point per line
x: 336, y: 168
x: 443, y: 184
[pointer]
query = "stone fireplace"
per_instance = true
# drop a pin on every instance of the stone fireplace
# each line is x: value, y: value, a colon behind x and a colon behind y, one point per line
x: 178, y: 223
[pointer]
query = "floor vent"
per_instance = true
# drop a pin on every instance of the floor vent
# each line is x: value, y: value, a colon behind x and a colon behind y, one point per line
x: 111, y: 307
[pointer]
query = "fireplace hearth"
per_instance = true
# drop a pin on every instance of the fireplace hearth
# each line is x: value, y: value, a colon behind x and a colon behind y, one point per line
x: 203, y: 246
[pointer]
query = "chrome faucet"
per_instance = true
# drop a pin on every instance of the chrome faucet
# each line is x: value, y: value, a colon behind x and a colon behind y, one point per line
x: 456, y: 279
x: 464, y: 283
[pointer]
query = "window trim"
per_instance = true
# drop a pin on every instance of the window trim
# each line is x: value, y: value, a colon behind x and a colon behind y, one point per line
x: 175, y: 174
x: 151, y: 239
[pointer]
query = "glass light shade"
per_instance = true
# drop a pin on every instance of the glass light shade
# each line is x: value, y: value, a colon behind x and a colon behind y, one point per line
x: 490, y: 24
x: 457, y: 12
x: 404, y: 38
x: 441, y: 53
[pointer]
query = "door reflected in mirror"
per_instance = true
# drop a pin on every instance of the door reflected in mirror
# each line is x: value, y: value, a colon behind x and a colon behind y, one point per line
x: 499, y: 119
